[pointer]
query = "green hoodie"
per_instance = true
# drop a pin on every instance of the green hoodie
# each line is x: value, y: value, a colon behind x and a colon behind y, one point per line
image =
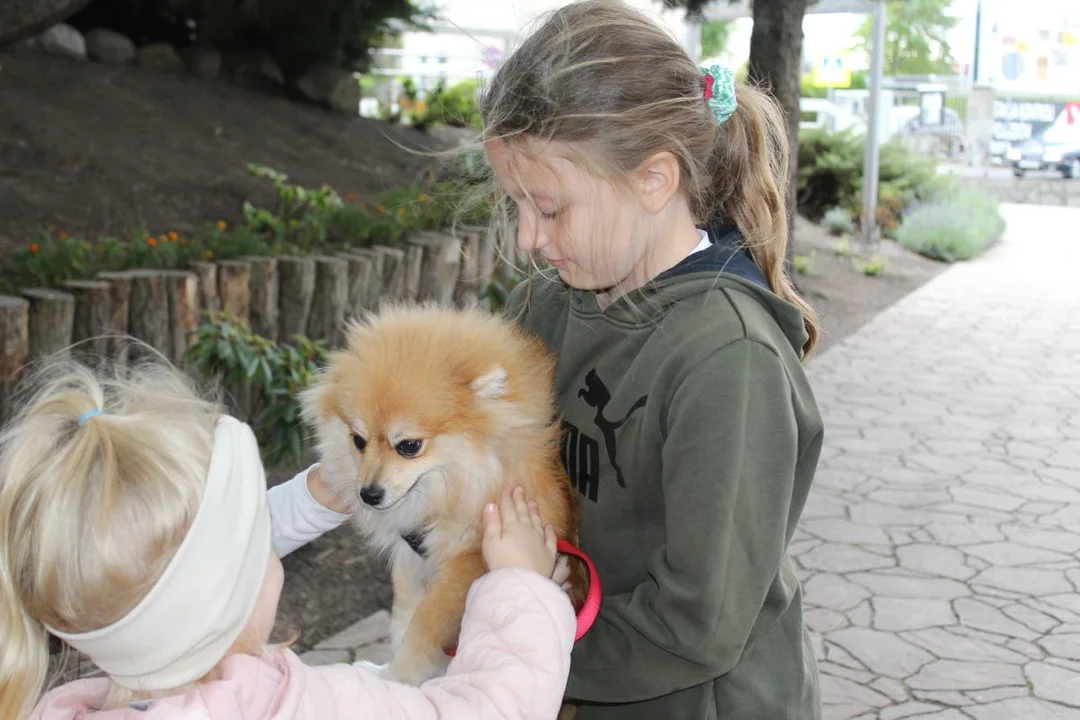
x: 692, y: 436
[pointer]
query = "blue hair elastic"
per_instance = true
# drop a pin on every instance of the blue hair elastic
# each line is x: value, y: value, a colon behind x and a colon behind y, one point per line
x: 87, y: 415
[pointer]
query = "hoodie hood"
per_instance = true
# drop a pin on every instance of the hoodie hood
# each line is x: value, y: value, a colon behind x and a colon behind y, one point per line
x: 725, y: 265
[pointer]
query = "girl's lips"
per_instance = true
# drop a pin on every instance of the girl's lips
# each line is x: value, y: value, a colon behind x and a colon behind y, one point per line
x: 558, y: 263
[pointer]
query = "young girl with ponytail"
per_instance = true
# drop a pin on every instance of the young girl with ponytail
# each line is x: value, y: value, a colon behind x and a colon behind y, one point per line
x: 653, y: 191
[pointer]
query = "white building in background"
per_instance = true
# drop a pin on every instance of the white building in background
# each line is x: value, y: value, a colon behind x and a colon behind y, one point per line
x: 473, y: 35
x: 1031, y: 47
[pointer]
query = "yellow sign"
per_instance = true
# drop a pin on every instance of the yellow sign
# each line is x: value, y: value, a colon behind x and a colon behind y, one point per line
x: 832, y: 71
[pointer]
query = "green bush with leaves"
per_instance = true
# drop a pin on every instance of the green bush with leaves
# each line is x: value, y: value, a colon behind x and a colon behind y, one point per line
x: 227, y: 351
x: 831, y: 172
x: 458, y: 106
x: 956, y: 227
x: 838, y: 222
x: 305, y: 221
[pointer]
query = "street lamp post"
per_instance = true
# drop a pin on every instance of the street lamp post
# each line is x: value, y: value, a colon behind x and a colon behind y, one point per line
x: 873, y: 136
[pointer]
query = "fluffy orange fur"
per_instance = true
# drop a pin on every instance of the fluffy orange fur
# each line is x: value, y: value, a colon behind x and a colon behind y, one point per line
x: 424, y: 417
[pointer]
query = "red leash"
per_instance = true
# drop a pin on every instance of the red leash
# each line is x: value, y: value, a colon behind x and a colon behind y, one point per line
x: 586, y: 614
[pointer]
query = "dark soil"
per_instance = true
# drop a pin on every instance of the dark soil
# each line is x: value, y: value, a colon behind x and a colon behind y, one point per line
x: 91, y: 149
x: 95, y: 149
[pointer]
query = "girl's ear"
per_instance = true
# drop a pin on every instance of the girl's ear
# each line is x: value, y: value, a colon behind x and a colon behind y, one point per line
x: 658, y: 179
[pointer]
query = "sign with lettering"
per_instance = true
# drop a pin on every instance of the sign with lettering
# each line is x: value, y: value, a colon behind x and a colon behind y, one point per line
x: 1019, y: 120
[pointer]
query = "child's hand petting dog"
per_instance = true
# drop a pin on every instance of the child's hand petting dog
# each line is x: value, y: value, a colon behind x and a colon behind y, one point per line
x: 323, y: 493
x: 515, y: 535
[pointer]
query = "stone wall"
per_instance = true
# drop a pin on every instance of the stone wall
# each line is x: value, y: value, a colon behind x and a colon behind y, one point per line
x: 1030, y: 191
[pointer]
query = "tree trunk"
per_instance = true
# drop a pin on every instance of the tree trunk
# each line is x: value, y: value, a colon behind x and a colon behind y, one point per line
x: 776, y: 48
x: 21, y: 19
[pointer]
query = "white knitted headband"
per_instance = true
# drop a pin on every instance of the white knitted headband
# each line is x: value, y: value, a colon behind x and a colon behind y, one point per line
x: 195, y: 612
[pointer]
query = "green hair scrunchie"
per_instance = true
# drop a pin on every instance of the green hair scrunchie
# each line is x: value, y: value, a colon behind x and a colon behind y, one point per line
x: 720, y: 91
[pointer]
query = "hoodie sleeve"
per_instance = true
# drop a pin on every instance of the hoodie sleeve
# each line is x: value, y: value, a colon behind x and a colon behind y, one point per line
x: 512, y: 662
x: 729, y: 454
x: 296, y: 517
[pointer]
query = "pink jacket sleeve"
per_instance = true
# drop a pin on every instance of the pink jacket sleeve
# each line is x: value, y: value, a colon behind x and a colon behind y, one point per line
x: 512, y: 663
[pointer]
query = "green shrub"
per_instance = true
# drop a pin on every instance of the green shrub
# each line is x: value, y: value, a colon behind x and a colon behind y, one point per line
x: 831, y: 172
x: 227, y: 351
x: 958, y: 226
x: 838, y: 221
x: 299, y: 35
x: 305, y: 221
x: 805, y: 264
x: 458, y: 106
x: 872, y: 267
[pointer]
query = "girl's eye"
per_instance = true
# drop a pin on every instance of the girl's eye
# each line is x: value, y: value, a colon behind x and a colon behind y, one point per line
x: 409, y: 448
x: 359, y: 442
x: 550, y: 215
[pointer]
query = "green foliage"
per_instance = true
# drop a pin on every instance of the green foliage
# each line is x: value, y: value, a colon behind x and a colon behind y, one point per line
x: 838, y: 221
x: 805, y: 264
x: 715, y: 36
x: 956, y: 227
x: 916, y: 37
x: 830, y: 176
x: 842, y: 247
x: 299, y: 35
x: 304, y: 222
x: 458, y: 106
x: 227, y: 351
x: 872, y: 267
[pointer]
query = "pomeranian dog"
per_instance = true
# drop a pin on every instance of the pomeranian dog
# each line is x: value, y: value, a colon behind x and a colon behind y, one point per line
x: 423, y: 418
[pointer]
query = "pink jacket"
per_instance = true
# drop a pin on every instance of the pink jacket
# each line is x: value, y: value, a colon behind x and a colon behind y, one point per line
x: 512, y: 662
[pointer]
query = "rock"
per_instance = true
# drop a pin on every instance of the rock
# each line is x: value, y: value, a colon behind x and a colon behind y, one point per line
x: 202, y: 61
x: 256, y: 71
x: 336, y: 88
x: 109, y: 47
x: 63, y: 40
x: 159, y: 56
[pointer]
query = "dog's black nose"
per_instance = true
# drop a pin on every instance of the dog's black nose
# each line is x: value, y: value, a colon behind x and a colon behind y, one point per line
x: 372, y: 495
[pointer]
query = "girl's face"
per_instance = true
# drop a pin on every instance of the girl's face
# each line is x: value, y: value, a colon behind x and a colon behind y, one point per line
x: 595, y: 235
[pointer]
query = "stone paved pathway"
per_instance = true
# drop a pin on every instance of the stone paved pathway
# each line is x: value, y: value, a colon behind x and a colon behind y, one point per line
x: 939, y: 549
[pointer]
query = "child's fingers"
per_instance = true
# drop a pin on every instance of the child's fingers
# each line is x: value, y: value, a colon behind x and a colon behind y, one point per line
x: 534, y: 516
x: 549, y: 538
x: 492, y: 522
x: 561, y: 574
x: 507, y: 507
x: 520, y: 504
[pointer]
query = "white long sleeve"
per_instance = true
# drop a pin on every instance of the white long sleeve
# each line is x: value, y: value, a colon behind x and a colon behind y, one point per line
x: 296, y: 517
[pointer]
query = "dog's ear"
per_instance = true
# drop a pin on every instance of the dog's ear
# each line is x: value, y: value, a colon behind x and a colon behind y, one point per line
x: 493, y: 384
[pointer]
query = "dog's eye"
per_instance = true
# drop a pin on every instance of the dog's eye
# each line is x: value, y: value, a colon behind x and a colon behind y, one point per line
x: 359, y: 442
x: 409, y: 448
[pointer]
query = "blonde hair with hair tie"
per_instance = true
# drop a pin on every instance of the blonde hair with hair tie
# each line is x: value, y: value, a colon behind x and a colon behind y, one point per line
x: 100, y: 480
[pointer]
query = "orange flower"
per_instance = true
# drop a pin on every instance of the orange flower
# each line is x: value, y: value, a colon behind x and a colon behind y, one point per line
x: 380, y: 209
x: 209, y: 255
x: 422, y: 197
x: 152, y: 242
x: 62, y: 235
x: 401, y: 212
x: 351, y: 197
x: 173, y: 237
x: 34, y: 247
x: 221, y: 225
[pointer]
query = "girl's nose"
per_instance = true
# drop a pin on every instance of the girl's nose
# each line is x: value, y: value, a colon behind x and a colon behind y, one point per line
x: 530, y: 236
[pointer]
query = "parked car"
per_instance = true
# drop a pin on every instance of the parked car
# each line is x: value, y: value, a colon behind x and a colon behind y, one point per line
x: 1057, y: 149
